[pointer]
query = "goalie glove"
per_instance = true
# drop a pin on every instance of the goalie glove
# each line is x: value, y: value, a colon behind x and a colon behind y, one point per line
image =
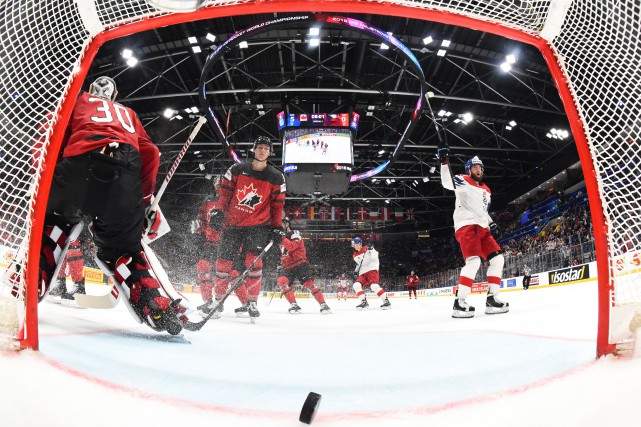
x: 443, y: 152
x: 153, y: 219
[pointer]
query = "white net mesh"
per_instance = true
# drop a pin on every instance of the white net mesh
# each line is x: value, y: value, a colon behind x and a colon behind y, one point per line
x: 42, y: 43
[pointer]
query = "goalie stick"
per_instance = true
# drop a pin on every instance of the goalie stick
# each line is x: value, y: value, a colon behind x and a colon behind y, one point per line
x: 191, y: 326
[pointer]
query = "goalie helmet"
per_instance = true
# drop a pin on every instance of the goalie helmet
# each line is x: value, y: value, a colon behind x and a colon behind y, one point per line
x: 263, y: 140
x: 473, y: 161
x: 104, y: 87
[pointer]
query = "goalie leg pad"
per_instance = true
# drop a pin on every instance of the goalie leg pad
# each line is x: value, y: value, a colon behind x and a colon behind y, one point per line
x: 55, y: 243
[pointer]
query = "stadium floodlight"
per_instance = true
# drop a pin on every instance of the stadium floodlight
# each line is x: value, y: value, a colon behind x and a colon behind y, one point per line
x: 512, y: 123
x: 510, y: 59
x: 441, y: 113
x: 441, y: 52
x: 243, y: 45
x: 564, y: 134
x: 428, y: 40
x: 381, y: 152
x: 178, y: 116
x: 369, y: 114
x: 386, y: 200
x: 168, y: 113
x: 549, y: 135
x: 446, y: 43
x: 506, y: 67
x: 384, y: 46
x: 132, y: 62
x: 192, y: 40
x: 127, y: 53
x: 459, y: 121
x: 196, y: 49
x: 261, y: 112
x: 432, y: 169
x: 508, y: 127
x: 426, y: 178
x: 371, y: 107
x: 467, y: 117
x: 314, y: 41
x: 314, y: 31
x: 211, y: 37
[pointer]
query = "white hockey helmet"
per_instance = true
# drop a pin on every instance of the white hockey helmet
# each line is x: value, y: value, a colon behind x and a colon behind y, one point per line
x: 296, y: 235
x: 104, y: 87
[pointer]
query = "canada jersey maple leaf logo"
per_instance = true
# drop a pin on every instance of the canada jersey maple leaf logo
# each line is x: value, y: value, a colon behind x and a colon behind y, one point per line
x: 248, y: 197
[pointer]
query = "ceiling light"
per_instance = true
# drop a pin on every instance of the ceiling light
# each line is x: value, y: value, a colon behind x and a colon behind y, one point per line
x: 261, y: 112
x: 458, y: 121
x: 201, y: 166
x: 446, y: 43
x: 432, y: 169
x: 178, y: 116
x: 314, y: 31
x: 468, y: 117
x: 384, y: 46
x: 381, y: 152
x: 194, y: 110
x: 369, y: 113
x: 210, y: 37
x: 510, y: 59
x: 549, y: 135
x: 387, y: 200
x: 314, y: 41
x: 371, y: 107
x: 259, y: 106
x: 131, y: 62
x: 441, y: 52
x: 448, y: 113
x: 127, y: 53
x: 565, y: 134
x: 197, y: 152
x: 508, y: 127
x: 425, y: 179
x: 441, y: 113
x: 243, y: 45
x: 512, y: 123
x: 196, y: 49
x: 428, y: 40
x: 506, y: 67
x: 168, y: 113
x: 388, y: 181
x: 192, y: 40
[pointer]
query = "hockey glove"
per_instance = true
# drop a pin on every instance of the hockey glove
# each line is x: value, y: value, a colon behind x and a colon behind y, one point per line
x: 355, y: 276
x: 153, y: 219
x: 494, y: 228
x: 278, y: 234
x: 443, y: 152
x: 216, y: 217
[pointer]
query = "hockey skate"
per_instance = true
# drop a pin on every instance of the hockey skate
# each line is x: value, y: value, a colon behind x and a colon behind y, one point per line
x: 363, y: 305
x: 68, y: 298
x: 386, y: 304
x: 324, y: 309
x: 55, y: 294
x: 253, y: 311
x: 493, y: 305
x: 243, y: 310
x: 294, y: 308
x: 208, y: 306
x: 462, y: 309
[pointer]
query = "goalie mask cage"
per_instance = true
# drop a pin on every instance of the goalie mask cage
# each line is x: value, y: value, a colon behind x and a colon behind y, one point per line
x: 591, y: 47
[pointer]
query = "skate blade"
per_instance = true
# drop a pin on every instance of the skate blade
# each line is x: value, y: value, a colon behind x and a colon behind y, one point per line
x: 252, y: 320
x: 71, y: 304
x: 496, y: 310
x: 326, y: 312
x: 387, y: 308
x: 362, y: 308
x: 294, y: 312
x: 462, y: 314
x: 242, y: 315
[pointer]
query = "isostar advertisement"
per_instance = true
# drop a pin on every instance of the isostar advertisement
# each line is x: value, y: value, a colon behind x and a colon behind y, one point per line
x: 571, y: 274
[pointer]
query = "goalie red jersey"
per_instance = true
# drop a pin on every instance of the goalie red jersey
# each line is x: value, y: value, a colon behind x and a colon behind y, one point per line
x: 252, y: 198
x: 96, y: 122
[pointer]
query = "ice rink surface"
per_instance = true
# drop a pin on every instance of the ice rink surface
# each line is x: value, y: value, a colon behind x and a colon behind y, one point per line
x: 410, y: 366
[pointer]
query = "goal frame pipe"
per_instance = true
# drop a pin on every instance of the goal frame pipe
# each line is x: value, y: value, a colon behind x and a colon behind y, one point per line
x: 385, y: 9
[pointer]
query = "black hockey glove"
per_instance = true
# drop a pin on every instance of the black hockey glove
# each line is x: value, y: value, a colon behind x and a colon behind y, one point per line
x: 354, y: 276
x: 216, y: 217
x: 494, y: 228
x: 443, y: 152
x: 277, y: 234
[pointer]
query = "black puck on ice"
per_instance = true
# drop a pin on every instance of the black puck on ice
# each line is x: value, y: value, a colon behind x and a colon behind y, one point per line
x: 310, y: 407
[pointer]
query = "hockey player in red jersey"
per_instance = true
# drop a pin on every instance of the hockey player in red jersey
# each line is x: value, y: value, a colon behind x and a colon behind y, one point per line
x: 73, y: 266
x: 294, y: 265
x: 341, y: 291
x: 412, y: 283
x: 473, y: 229
x: 108, y: 172
x: 252, y: 197
x: 208, y: 228
x: 366, y: 273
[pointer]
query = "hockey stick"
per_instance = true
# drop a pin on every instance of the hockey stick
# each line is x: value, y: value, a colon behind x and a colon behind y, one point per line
x: 429, y: 95
x: 272, y: 297
x: 170, y: 174
x: 190, y: 326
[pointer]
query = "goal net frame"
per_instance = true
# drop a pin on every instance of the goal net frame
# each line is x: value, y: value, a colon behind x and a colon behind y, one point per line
x: 563, y: 30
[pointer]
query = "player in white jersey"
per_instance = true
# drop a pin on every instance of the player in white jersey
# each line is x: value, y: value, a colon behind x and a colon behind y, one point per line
x: 472, y: 225
x: 366, y: 274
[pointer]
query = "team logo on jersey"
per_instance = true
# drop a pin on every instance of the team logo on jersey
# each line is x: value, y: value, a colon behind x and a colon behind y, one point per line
x: 248, y: 197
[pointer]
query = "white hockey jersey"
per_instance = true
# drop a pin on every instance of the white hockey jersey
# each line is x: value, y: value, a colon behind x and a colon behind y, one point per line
x: 472, y: 200
x: 366, y: 260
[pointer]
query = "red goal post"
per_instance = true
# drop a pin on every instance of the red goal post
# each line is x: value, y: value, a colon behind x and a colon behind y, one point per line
x: 590, y: 47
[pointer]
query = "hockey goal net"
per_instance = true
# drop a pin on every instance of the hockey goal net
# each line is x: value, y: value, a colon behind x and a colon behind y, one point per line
x: 591, y: 47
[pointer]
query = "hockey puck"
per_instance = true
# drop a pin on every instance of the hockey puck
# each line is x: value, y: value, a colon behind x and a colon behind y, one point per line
x: 310, y: 407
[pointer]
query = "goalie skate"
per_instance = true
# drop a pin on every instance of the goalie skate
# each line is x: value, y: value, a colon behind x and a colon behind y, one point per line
x: 462, y: 309
x: 493, y: 305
